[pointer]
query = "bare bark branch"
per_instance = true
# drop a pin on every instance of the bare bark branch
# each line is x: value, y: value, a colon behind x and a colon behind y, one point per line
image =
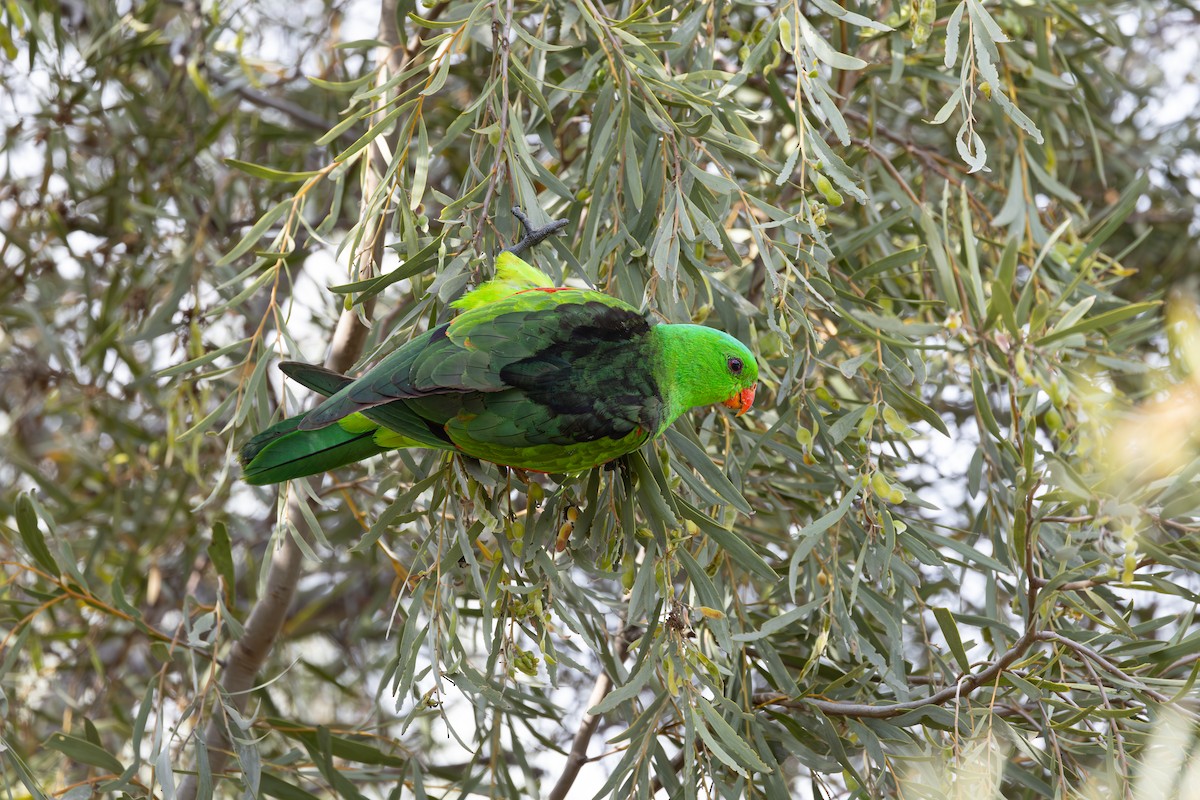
x: 587, y: 726
x: 961, y: 688
x: 270, y: 612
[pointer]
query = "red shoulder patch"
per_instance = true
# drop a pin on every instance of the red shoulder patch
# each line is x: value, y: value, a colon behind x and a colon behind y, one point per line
x: 547, y: 289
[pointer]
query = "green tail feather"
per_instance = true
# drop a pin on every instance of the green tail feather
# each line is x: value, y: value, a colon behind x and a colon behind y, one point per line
x: 282, y: 452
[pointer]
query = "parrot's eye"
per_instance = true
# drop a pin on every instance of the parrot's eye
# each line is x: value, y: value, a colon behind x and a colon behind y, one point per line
x: 735, y: 365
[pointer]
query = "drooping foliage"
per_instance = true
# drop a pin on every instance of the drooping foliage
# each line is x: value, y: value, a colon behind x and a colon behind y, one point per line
x: 951, y: 549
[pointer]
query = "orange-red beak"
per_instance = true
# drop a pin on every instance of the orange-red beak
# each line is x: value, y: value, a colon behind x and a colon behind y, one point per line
x: 741, y: 401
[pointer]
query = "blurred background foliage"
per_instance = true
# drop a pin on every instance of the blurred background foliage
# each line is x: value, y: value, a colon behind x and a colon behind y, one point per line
x: 951, y: 552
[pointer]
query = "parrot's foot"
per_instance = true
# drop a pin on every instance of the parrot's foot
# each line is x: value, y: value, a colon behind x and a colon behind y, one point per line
x: 533, y: 236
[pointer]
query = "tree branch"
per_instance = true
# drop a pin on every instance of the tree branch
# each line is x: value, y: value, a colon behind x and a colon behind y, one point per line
x: 270, y: 612
x: 577, y: 757
x: 298, y: 114
x: 1090, y: 583
x: 1088, y: 654
x: 966, y: 684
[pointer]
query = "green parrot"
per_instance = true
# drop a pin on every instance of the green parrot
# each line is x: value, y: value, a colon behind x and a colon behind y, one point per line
x: 529, y: 375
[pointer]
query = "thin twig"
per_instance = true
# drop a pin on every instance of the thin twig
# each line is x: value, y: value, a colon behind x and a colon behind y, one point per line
x: 1187, y: 660
x: 964, y: 686
x: 1086, y: 652
x: 501, y: 30
x: 1114, y: 723
x: 1175, y: 526
x: 887, y: 164
x: 1091, y: 583
x: 1030, y: 546
x: 295, y: 112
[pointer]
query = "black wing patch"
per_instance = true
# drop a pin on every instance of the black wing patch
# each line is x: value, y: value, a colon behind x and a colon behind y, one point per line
x: 576, y: 372
x: 596, y: 379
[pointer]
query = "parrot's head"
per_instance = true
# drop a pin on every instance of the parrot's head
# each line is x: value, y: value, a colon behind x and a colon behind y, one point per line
x: 710, y: 367
x: 702, y: 366
x: 742, y: 376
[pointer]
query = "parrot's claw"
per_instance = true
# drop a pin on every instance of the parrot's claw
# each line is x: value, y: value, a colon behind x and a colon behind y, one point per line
x: 533, y: 236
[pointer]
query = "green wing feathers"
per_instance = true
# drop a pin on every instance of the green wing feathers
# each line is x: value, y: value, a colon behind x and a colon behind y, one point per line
x: 469, y: 353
